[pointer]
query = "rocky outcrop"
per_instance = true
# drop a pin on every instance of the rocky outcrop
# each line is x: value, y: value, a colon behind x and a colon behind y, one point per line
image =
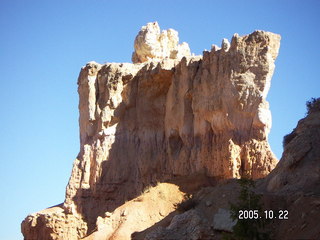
x: 53, y: 223
x: 299, y: 168
x: 151, y: 44
x: 294, y: 184
x: 164, y: 117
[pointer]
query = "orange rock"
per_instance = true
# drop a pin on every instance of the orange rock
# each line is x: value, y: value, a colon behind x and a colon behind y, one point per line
x: 165, y: 117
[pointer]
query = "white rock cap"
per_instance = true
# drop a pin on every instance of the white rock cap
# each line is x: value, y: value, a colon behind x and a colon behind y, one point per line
x: 151, y: 44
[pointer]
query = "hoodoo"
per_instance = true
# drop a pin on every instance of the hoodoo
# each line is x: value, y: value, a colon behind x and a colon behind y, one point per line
x: 168, y: 114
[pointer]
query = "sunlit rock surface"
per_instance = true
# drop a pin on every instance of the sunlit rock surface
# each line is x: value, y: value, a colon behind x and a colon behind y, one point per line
x: 168, y: 114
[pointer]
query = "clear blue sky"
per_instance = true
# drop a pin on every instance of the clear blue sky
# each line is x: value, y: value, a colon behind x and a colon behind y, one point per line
x: 43, y: 45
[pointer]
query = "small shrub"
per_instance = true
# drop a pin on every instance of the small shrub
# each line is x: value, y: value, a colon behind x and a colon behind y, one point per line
x: 188, y: 203
x: 248, y: 200
x: 313, y: 105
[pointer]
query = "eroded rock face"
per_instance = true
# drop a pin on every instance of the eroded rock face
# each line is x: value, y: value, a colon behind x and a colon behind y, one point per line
x: 151, y: 44
x: 53, y: 223
x: 166, y: 117
x: 299, y: 168
x: 295, y: 181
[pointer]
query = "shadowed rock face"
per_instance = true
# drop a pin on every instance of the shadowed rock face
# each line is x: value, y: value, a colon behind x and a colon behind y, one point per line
x: 294, y: 183
x: 299, y: 168
x: 164, y: 117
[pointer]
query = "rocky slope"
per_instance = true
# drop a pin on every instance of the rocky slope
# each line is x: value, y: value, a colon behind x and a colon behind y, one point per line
x: 299, y: 168
x: 168, y: 114
x: 294, y: 183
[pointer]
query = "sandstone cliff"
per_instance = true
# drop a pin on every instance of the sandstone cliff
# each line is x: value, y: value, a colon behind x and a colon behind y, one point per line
x: 293, y: 187
x: 169, y: 114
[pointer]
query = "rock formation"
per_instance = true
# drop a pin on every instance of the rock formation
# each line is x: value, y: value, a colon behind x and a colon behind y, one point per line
x: 294, y: 184
x: 169, y: 114
x: 152, y: 45
x: 292, y: 187
x: 299, y: 168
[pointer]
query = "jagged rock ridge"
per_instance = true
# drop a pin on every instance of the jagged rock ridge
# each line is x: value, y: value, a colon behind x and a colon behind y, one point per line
x: 162, y: 117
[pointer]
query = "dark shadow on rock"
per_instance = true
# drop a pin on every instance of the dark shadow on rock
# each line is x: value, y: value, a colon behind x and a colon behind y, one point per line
x: 137, y: 157
x: 161, y: 224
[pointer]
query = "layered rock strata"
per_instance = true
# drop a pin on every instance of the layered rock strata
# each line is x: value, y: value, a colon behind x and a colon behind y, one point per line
x: 165, y: 116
